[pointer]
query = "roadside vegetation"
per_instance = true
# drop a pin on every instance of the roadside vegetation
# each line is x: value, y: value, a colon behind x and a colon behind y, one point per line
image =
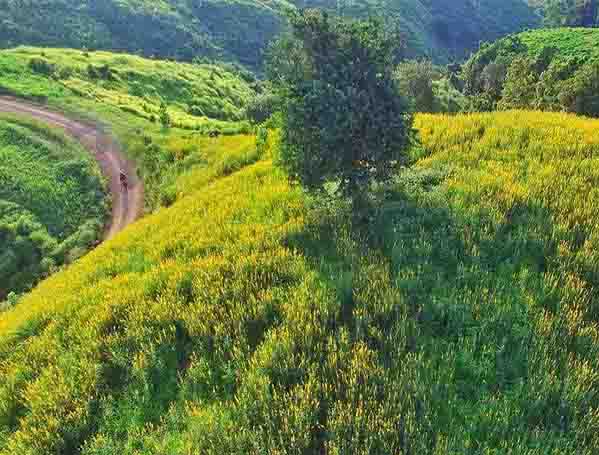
x: 52, y: 203
x: 195, y: 97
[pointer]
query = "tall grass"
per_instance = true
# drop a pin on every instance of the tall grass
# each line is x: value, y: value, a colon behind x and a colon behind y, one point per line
x: 245, y: 319
x: 199, y: 97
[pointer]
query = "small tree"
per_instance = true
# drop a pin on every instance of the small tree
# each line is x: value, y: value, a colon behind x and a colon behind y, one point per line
x: 580, y: 93
x: 261, y: 107
x: 416, y: 83
x: 519, y: 91
x: 165, y: 118
x: 342, y: 119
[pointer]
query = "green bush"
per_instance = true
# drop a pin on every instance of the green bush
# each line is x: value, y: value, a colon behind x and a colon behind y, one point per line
x: 415, y: 82
x: 51, y: 200
x: 580, y: 93
x: 41, y: 66
x: 262, y: 106
x: 519, y: 90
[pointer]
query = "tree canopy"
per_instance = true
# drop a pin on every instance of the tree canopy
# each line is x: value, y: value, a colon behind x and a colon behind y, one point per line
x: 343, y: 121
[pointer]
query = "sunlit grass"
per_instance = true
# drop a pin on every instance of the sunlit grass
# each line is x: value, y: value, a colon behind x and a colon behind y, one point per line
x: 246, y: 319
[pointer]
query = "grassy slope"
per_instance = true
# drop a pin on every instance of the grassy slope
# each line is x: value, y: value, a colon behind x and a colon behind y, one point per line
x: 472, y: 327
x: 195, y: 94
x: 51, y: 201
x: 239, y: 30
x: 129, y: 100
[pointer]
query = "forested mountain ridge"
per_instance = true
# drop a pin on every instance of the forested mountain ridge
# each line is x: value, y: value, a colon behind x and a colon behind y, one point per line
x: 570, y: 13
x: 240, y: 30
x: 560, y: 67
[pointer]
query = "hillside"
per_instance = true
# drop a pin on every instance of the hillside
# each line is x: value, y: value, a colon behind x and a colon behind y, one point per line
x: 572, y: 13
x: 196, y: 95
x: 131, y: 96
x: 52, y: 202
x: 472, y: 321
x: 582, y: 43
x: 239, y: 30
x: 550, y: 69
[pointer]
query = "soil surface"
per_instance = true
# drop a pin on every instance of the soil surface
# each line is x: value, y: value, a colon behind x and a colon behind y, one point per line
x: 127, y: 202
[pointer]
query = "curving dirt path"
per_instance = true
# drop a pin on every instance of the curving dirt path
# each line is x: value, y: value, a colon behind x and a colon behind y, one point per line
x: 127, y: 205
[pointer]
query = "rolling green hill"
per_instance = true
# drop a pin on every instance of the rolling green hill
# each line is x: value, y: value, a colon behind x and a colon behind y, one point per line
x: 197, y: 96
x: 549, y: 69
x: 582, y: 43
x: 131, y: 95
x: 242, y: 320
x: 52, y: 202
x: 239, y: 30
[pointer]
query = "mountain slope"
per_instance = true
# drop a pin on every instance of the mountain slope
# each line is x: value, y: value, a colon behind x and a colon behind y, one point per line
x: 560, y: 66
x: 52, y: 202
x: 240, y: 321
x: 239, y: 30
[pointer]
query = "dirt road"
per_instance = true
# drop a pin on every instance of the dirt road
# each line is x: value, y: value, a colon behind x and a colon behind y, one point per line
x: 127, y: 205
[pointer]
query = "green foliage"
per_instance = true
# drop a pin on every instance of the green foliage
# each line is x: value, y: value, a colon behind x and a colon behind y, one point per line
x: 519, y: 90
x: 262, y: 107
x: 51, y: 203
x: 570, y: 13
x: 41, y: 66
x: 415, y: 82
x: 580, y: 93
x: 545, y: 69
x: 163, y: 115
x: 240, y: 30
x: 343, y: 121
x: 448, y: 98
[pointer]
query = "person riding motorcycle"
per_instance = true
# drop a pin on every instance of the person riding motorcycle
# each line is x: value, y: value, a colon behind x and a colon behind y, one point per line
x: 123, y: 179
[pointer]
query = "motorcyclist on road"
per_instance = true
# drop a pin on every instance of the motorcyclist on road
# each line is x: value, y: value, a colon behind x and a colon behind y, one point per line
x: 123, y: 179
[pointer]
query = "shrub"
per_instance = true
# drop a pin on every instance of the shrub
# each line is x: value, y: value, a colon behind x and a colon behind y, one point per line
x: 415, y: 82
x: 261, y: 107
x: 580, y: 94
x: 519, y: 90
x: 164, y: 116
x: 42, y: 66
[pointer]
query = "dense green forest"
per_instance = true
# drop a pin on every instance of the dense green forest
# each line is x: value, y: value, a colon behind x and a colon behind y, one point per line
x: 568, y: 13
x: 239, y: 30
x: 551, y: 69
x: 52, y: 203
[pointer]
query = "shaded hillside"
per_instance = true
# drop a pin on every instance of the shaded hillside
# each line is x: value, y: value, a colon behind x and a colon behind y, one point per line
x: 239, y: 30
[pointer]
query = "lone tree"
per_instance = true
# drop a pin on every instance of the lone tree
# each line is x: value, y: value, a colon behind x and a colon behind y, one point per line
x: 342, y: 119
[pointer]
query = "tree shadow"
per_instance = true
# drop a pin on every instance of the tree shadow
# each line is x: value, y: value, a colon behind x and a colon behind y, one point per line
x: 464, y: 283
